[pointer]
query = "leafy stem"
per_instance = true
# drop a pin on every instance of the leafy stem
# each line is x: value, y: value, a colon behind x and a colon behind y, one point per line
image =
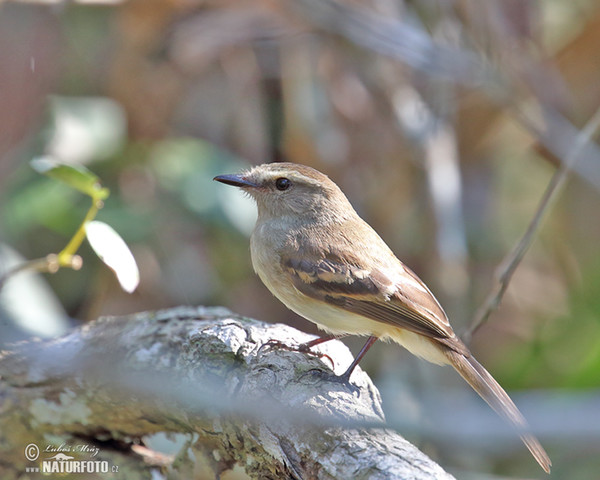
x: 67, y: 254
x: 81, y: 179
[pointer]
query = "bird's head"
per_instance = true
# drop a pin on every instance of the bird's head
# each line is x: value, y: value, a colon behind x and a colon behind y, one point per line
x: 291, y: 190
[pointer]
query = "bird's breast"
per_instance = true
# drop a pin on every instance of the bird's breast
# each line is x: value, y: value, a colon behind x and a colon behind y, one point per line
x: 266, y: 261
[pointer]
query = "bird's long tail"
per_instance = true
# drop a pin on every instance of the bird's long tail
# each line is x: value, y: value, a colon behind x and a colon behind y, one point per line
x: 495, y: 396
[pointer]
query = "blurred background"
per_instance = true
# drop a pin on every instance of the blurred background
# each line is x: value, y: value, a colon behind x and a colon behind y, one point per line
x: 442, y: 121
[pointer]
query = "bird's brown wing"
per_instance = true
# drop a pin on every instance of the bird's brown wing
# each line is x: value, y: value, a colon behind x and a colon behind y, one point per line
x: 407, y: 303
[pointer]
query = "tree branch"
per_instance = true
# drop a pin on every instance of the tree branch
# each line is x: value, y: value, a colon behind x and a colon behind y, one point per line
x: 199, y: 372
x: 509, y: 265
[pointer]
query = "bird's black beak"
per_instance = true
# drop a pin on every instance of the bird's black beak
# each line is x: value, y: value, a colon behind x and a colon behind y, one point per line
x: 235, y: 180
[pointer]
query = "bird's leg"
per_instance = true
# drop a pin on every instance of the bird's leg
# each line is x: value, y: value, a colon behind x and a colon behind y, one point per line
x: 305, y: 347
x: 346, y: 375
x: 344, y: 378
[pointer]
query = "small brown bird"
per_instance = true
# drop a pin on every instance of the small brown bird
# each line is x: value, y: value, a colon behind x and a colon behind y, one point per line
x: 315, y: 254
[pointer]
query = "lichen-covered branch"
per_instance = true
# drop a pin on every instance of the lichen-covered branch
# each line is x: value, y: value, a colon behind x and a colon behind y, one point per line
x: 102, y: 391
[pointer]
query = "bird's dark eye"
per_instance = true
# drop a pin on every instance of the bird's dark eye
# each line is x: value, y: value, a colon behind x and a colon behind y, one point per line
x: 283, y: 183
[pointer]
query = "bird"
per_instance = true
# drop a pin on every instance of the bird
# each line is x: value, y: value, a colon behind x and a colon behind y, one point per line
x: 324, y: 262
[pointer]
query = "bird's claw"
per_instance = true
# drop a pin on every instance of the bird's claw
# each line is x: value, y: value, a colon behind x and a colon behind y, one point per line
x: 333, y: 378
x: 302, y: 348
x: 273, y: 344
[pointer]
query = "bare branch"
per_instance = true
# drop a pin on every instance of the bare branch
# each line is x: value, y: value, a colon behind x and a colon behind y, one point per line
x: 507, y: 268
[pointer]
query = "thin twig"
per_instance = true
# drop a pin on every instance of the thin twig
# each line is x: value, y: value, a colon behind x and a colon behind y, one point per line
x: 66, y: 258
x: 48, y: 264
x: 507, y: 268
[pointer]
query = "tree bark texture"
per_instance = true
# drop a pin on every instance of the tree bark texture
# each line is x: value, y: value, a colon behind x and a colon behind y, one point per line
x: 201, y: 375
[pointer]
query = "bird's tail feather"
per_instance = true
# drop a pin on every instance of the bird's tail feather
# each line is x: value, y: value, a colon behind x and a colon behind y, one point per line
x: 495, y: 396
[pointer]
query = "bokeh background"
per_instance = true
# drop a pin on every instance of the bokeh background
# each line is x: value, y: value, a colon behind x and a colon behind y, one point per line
x: 443, y: 121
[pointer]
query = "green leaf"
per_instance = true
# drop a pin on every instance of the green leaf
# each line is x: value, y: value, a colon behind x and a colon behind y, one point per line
x: 114, y: 252
x: 76, y: 176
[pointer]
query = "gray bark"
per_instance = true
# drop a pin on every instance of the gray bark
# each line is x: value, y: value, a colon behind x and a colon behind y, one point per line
x: 200, y: 373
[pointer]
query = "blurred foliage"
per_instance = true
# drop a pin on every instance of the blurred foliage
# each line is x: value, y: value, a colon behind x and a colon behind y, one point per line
x: 440, y: 120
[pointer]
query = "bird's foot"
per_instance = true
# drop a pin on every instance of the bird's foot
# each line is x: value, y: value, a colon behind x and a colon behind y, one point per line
x: 328, y: 376
x: 302, y: 348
